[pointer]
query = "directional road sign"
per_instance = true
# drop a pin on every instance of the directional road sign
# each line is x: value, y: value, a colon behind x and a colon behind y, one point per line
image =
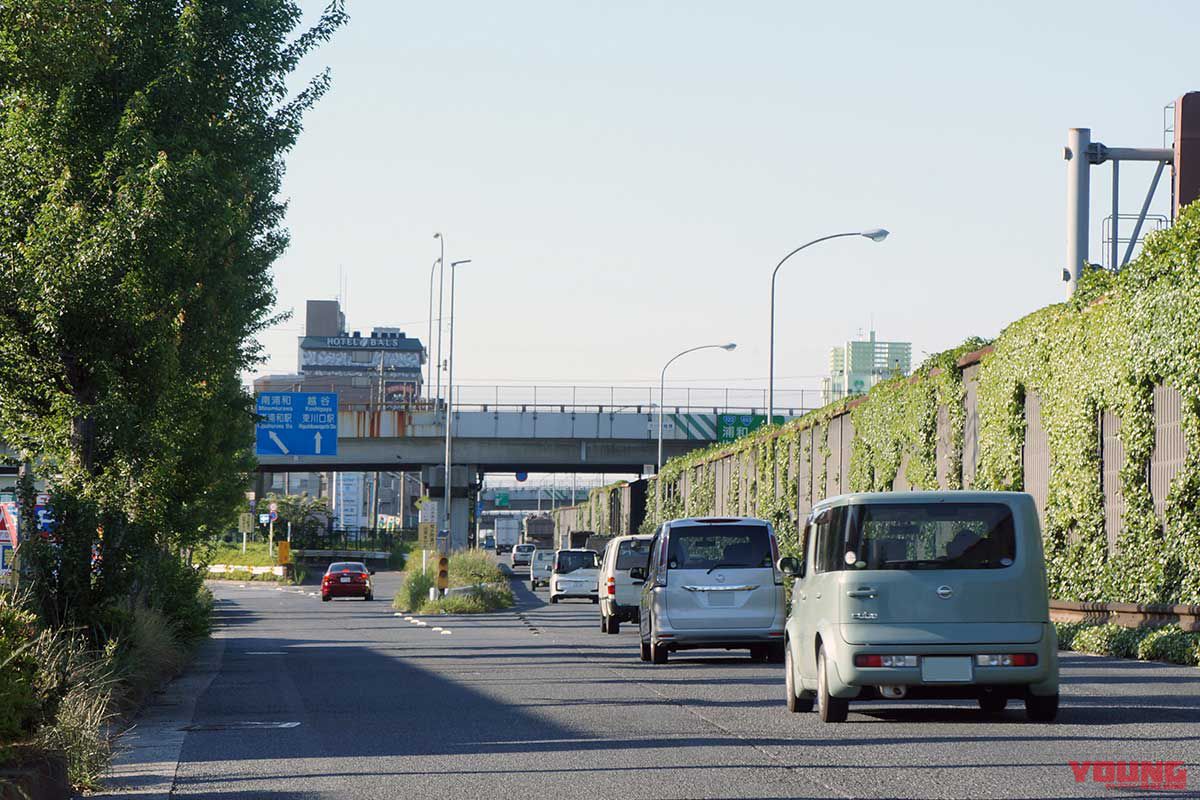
x: 297, y: 424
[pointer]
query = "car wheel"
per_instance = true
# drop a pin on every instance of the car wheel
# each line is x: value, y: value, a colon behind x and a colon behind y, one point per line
x: 533, y: 586
x: 368, y: 596
x: 1041, y: 709
x: 658, y: 653
x: 796, y: 702
x: 553, y: 598
x: 993, y: 703
x: 325, y: 598
x: 645, y: 651
x: 595, y: 601
x: 614, y: 625
x: 758, y: 652
x: 603, y: 624
x: 831, y: 709
x: 775, y: 652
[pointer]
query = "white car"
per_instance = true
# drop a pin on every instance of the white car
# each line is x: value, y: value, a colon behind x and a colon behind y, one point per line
x: 522, y: 553
x: 541, y: 568
x: 620, y: 595
x: 575, y: 574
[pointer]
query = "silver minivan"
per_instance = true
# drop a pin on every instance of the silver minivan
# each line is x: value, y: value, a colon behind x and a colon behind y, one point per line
x: 921, y: 595
x: 712, y: 583
x: 619, y: 593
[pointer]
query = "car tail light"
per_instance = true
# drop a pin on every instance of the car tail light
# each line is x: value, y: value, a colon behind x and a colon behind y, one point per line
x: 866, y: 660
x: 775, y: 559
x: 1007, y: 660
x: 612, y: 585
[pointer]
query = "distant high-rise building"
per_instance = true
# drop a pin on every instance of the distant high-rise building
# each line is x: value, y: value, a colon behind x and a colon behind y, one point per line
x: 859, y: 365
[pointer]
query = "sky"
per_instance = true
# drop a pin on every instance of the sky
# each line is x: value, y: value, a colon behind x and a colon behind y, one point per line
x: 625, y: 176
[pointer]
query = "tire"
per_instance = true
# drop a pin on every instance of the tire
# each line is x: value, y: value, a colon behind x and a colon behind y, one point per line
x: 796, y: 703
x: 603, y: 624
x: 658, y: 653
x: 553, y: 598
x: 992, y: 703
x: 775, y: 652
x: 831, y: 709
x: 758, y: 652
x: 533, y: 586
x: 614, y: 625
x: 1041, y: 709
x: 325, y: 598
x: 368, y: 597
x: 645, y: 651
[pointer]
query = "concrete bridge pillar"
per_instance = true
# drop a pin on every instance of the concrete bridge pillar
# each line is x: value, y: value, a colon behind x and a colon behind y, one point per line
x: 463, y: 489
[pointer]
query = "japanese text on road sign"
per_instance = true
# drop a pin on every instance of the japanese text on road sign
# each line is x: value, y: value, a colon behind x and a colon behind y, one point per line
x: 296, y: 424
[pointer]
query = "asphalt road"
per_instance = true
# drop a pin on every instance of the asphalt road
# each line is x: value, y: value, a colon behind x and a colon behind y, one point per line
x: 345, y: 700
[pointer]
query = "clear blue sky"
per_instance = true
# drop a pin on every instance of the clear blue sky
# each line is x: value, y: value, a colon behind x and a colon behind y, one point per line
x: 625, y: 175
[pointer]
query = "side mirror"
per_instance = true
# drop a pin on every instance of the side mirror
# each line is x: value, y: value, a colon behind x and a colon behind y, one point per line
x: 789, y: 566
x: 637, y: 573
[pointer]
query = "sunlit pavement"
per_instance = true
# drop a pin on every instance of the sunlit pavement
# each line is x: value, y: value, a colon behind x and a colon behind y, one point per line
x: 347, y: 699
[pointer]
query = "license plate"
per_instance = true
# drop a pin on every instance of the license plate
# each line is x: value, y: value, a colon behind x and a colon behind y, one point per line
x: 955, y: 669
x: 720, y: 599
x: 344, y: 580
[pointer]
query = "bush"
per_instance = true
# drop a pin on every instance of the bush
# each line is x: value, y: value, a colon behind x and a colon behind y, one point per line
x: 20, y: 710
x: 147, y: 653
x: 414, y: 591
x: 479, y: 600
x: 474, y: 566
x: 1170, y: 644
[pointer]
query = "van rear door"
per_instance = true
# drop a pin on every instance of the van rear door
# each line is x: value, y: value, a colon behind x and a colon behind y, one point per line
x: 721, y: 575
x: 938, y: 571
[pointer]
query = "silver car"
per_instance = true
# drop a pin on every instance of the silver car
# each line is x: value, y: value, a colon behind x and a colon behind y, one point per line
x: 921, y: 595
x: 712, y: 583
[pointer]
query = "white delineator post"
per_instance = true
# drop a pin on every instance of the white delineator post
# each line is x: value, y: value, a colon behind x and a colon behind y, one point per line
x: 1078, y: 191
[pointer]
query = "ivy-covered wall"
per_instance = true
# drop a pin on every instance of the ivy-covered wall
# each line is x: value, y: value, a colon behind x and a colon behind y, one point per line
x: 1105, y: 351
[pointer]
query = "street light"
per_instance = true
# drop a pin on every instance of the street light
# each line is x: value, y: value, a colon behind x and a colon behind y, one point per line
x: 441, y: 283
x: 662, y: 386
x: 429, y: 341
x: 450, y: 390
x: 874, y: 234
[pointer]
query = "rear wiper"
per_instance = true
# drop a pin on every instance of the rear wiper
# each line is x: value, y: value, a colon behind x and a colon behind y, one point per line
x: 722, y: 564
x: 914, y: 562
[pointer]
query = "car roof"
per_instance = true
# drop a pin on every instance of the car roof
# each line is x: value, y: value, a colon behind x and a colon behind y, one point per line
x: 577, y: 550
x: 688, y: 521
x: 632, y: 537
x: 946, y: 496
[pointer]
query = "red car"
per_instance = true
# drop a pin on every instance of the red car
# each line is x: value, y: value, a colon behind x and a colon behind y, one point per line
x: 347, y: 579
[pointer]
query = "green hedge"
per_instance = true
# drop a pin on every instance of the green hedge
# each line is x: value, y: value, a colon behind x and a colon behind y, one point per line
x: 1171, y: 644
x: 1104, y: 350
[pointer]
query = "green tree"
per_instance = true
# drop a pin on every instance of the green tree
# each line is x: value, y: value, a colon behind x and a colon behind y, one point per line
x: 307, y: 514
x: 141, y: 146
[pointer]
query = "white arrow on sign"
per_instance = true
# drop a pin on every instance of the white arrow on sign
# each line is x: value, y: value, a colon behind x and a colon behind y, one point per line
x: 317, y: 439
x: 278, y: 442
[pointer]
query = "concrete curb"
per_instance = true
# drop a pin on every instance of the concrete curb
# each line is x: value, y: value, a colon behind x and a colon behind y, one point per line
x: 148, y: 751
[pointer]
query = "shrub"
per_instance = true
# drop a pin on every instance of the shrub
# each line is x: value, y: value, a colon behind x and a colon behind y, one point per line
x: 20, y: 709
x: 1170, y: 644
x: 149, y: 652
x: 474, y: 566
x: 479, y: 600
x: 1109, y: 640
x: 414, y: 591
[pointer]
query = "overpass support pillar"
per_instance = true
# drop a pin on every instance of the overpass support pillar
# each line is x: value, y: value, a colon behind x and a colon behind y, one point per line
x: 463, y: 488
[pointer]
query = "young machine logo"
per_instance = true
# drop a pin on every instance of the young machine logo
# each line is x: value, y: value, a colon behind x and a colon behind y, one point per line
x: 1158, y: 775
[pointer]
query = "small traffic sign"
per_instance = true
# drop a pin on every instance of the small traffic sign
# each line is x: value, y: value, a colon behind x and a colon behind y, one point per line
x: 522, y: 476
x: 274, y: 515
x: 246, y: 523
x: 273, y: 507
x: 263, y: 519
x: 296, y: 424
x: 426, y: 535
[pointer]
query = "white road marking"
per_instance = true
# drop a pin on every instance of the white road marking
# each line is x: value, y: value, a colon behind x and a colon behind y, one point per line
x: 446, y: 633
x: 436, y: 628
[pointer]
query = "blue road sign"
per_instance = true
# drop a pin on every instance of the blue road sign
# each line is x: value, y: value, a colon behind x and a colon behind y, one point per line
x: 6, y: 558
x: 521, y: 476
x: 297, y: 424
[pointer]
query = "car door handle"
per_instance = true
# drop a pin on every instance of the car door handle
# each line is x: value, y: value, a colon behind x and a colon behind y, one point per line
x: 868, y: 592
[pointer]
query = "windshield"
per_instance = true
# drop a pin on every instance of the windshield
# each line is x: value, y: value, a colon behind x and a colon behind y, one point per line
x: 543, y: 555
x: 633, y: 553
x: 571, y: 560
x: 934, y: 536
x: 342, y: 566
x: 523, y: 548
x: 713, y: 546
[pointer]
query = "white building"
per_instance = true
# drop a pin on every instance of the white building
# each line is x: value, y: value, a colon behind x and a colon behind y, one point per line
x: 859, y: 365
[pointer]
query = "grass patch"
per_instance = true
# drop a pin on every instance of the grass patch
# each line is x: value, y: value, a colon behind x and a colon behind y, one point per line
x: 1170, y: 644
x: 490, y: 588
x: 231, y: 553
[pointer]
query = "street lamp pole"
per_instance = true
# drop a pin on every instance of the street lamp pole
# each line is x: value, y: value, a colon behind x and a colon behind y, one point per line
x: 441, y: 293
x: 429, y: 341
x: 450, y: 390
x: 662, y: 388
x: 874, y: 234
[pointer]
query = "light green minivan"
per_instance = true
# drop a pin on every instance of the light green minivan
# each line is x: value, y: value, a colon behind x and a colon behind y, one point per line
x: 921, y: 595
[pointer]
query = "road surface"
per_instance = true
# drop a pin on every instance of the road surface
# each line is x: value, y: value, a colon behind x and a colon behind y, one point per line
x: 305, y: 699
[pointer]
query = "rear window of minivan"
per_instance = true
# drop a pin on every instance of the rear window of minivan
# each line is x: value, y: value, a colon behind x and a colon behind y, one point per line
x: 712, y: 546
x: 924, y: 536
x: 633, y: 553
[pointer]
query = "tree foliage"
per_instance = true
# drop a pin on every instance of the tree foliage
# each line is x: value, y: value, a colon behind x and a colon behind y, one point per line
x: 141, y: 146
